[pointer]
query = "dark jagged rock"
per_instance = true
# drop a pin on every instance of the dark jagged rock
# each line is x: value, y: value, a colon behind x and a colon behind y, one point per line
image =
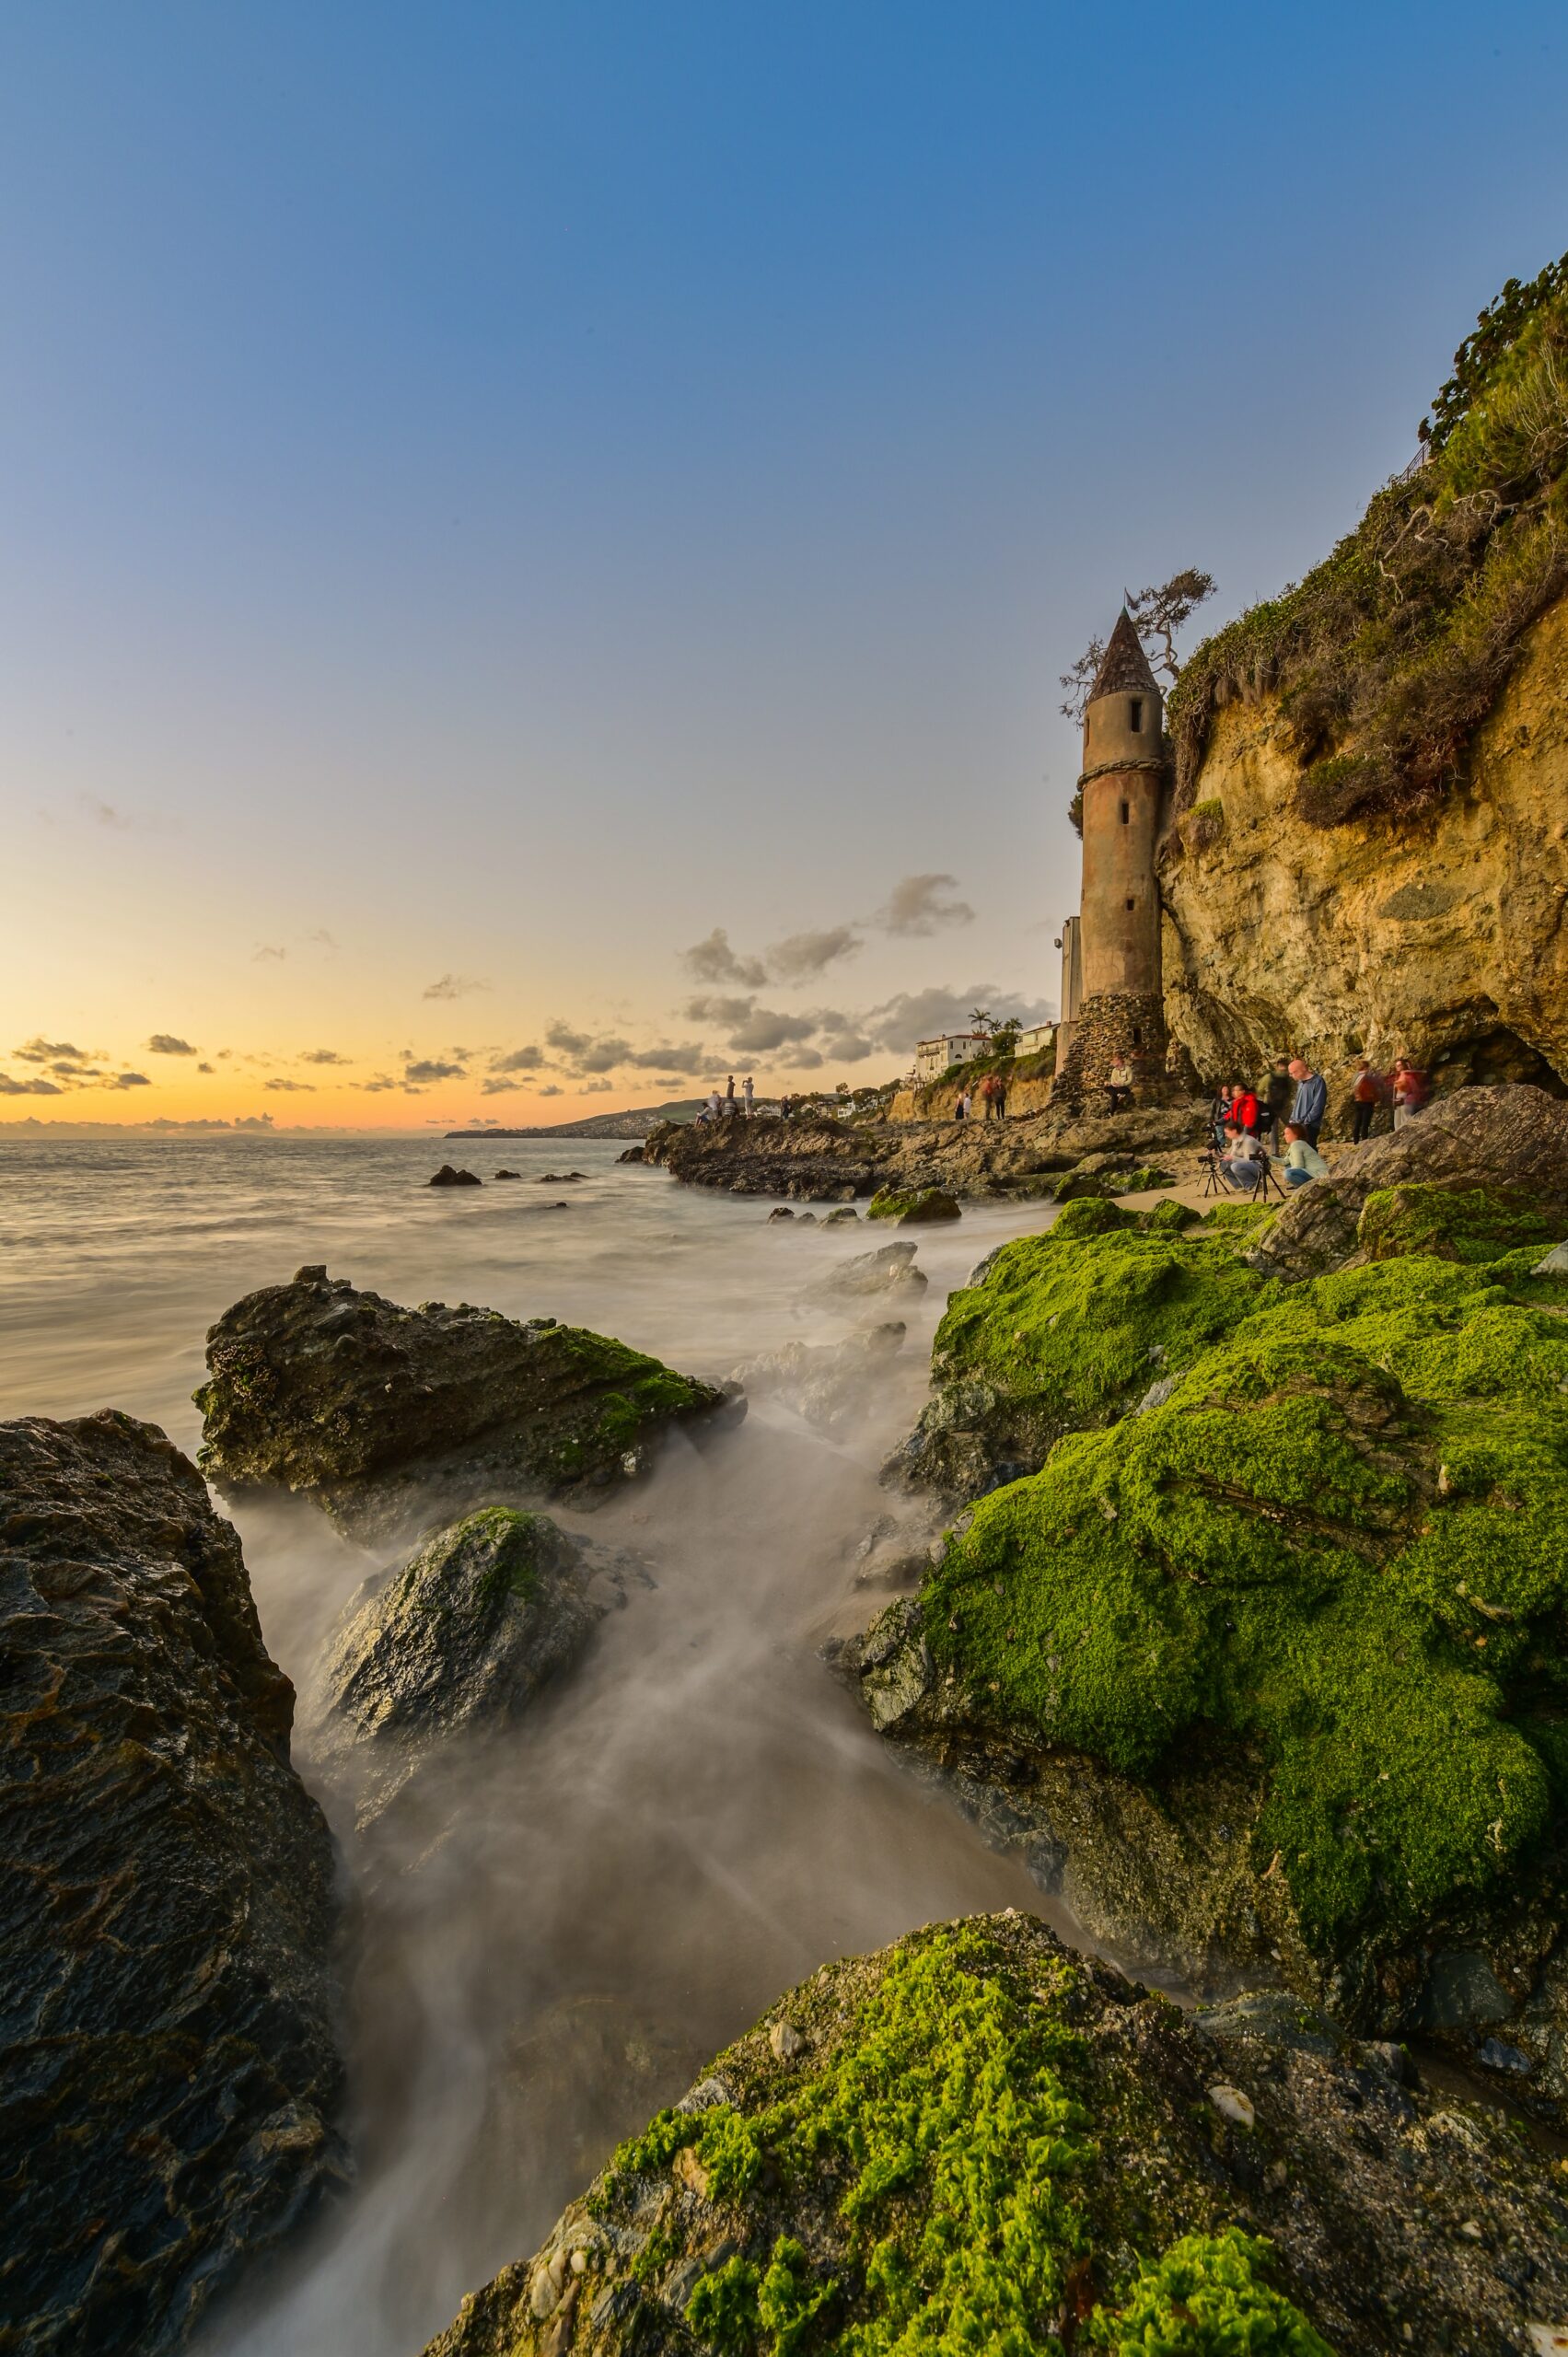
x: 633, y: 1154
x: 394, y: 1418
x: 509, y: 1174
x: 447, y: 1176
x: 457, y: 1642
x: 828, y: 1384
x: 169, y: 2073
x: 891, y: 1269
x: 560, y: 1178
x: 975, y: 2141
x: 1511, y: 1142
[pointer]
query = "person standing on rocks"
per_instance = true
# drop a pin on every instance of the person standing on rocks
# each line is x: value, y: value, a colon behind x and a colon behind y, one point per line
x: 729, y: 1096
x: 1310, y: 1101
x: 1277, y: 1099
x: 999, y: 1096
x: 1410, y: 1092
x: 1363, y: 1094
x: 1119, y: 1086
x: 711, y: 1106
x: 961, y: 1106
x: 749, y: 1092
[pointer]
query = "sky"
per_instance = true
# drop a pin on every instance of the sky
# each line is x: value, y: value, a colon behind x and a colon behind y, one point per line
x: 538, y: 540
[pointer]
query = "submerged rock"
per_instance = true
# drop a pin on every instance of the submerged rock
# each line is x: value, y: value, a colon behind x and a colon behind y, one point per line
x: 891, y: 1269
x: 391, y: 1418
x: 1272, y: 1672
x: 458, y: 1642
x: 975, y: 2140
x: 447, y: 1176
x: 827, y: 1383
x: 169, y: 2067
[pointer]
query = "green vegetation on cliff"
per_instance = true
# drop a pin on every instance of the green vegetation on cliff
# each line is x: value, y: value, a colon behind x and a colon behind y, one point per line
x: 1336, y: 1539
x: 1390, y: 653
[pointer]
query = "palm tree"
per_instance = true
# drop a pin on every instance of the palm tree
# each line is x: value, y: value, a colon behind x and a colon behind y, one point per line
x: 982, y: 1021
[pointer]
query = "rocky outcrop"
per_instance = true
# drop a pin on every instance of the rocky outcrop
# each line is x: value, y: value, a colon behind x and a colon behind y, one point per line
x: 912, y: 1206
x: 1442, y: 937
x: 829, y: 1385
x: 827, y: 1161
x: 169, y: 2066
x: 456, y: 1644
x: 975, y: 2140
x: 1268, y: 1669
x: 447, y: 1176
x: 1508, y: 1141
x: 394, y: 1418
x: 890, y: 1269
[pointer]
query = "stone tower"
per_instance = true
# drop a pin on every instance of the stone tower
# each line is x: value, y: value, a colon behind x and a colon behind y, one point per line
x: 1120, y: 1017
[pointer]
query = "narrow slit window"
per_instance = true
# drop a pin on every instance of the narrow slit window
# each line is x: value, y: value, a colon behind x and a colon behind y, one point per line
x: 1131, y: 904
x: 1137, y: 1037
x: 1126, y: 813
x: 1135, y: 711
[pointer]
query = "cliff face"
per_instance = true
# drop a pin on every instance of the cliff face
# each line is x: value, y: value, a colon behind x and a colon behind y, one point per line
x: 1444, y: 937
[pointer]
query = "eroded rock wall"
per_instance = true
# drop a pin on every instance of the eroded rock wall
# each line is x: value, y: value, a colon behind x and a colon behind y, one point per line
x: 1443, y: 939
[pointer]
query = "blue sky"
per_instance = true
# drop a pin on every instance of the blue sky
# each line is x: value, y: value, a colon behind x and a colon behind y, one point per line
x: 496, y: 492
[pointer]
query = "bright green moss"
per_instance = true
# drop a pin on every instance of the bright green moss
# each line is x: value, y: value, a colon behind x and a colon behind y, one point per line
x: 1207, y: 2297
x: 952, y: 2125
x: 1088, y: 1215
x: 915, y: 1205
x: 1453, y: 1223
x: 1339, y: 1538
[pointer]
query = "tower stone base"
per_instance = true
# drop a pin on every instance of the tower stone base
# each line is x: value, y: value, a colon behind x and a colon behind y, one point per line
x: 1117, y: 1027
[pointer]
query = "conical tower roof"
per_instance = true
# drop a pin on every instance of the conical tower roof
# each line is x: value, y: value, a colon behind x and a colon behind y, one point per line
x: 1124, y: 668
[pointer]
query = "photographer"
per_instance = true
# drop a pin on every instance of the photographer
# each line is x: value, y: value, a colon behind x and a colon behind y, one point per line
x: 1245, y: 1161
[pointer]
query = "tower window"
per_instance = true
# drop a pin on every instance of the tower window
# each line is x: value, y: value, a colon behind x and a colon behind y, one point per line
x: 1126, y: 813
x: 1136, y: 714
x: 1137, y: 1036
x: 1131, y: 904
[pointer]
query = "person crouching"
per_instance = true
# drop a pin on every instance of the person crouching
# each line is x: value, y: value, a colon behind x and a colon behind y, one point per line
x: 1243, y: 1163
x: 1302, y: 1161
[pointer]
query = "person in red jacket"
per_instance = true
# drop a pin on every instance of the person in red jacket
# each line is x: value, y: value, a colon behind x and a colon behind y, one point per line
x: 1243, y: 1112
x: 1364, y: 1096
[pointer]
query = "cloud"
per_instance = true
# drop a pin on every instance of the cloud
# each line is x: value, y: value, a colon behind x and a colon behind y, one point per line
x: 802, y: 1060
x: 50, y: 1052
x: 425, y: 1068
x: 102, y: 814
x: 550, y: 1089
x: 453, y: 986
x: 163, y: 1043
x: 519, y: 1060
x: 585, y: 1054
x: 498, y: 1088
x: 323, y: 1056
x: 163, y: 1122
x: 322, y: 939
x: 714, y: 962
x: 127, y: 1080
x: 293, y: 1086
x: 804, y: 955
x: 39, y: 1088
x: 381, y: 1081
x: 203, y: 1067
x: 899, y: 1022
x: 764, y: 1028
x: 597, y: 1089
x: 267, y: 950
x: 689, y: 1060
x: 918, y: 905
x: 727, y: 1012
x: 254, y: 1121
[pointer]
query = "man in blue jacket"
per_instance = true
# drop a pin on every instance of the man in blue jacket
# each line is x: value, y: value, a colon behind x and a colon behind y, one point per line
x: 1310, y: 1101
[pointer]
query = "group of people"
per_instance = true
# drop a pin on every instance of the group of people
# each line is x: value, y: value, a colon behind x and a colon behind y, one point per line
x: 717, y: 1108
x: 993, y: 1100
x: 1289, y: 1113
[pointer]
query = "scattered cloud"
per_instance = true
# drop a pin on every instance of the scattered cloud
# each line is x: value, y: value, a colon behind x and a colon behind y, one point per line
x: 163, y: 1122
x: 727, y: 1012
x: 550, y: 1089
x: 382, y: 1081
x: 128, y: 1080
x: 322, y: 939
x: 714, y: 962
x: 453, y: 986
x: 323, y: 1056
x: 267, y: 950
x: 595, y: 1088
x: 899, y: 1022
x: 425, y: 1068
x: 804, y: 955
x: 32, y: 1086
x: 203, y: 1067
x: 690, y: 1060
x: 163, y: 1043
x: 294, y: 1088
x: 499, y: 1086
x: 50, y: 1052
x: 254, y: 1121
x: 586, y: 1053
x: 519, y: 1060
x: 923, y: 904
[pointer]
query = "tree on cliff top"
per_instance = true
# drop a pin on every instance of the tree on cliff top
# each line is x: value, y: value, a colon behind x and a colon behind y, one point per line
x: 1156, y: 613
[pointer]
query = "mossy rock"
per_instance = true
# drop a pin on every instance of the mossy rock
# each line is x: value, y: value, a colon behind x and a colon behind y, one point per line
x: 1143, y: 1179
x: 1473, y: 1225
x: 912, y: 1206
x: 1067, y: 1330
x: 974, y: 2143
x: 1169, y: 1219
x: 1336, y: 1542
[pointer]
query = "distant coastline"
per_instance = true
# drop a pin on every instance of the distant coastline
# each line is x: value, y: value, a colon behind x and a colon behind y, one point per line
x: 635, y: 1124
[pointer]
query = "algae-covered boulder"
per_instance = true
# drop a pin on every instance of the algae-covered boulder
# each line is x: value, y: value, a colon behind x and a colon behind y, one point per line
x: 392, y: 1417
x: 1322, y: 1577
x: 973, y: 2140
x: 1069, y: 1329
x: 1452, y: 1224
x: 168, y: 2070
x: 456, y: 1644
x: 1511, y: 1142
x: 912, y: 1206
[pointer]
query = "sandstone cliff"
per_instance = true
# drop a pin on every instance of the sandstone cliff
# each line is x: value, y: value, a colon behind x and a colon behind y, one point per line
x: 1444, y: 937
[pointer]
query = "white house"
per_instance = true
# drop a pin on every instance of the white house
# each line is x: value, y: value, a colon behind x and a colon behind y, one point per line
x: 1037, y: 1035
x: 933, y: 1057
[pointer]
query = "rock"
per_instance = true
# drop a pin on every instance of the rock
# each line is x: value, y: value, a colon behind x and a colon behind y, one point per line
x: 1555, y: 1264
x: 783, y: 1212
x: 1085, y: 2172
x: 891, y: 1269
x: 447, y: 1176
x: 394, y: 1419
x: 458, y: 1642
x: 1232, y: 2105
x: 501, y: 1174
x: 559, y: 1178
x: 828, y: 1384
x: 784, y: 2041
x: 845, y: 1216
x: 806, y: 1219
x: 913, y: 1207
x: 633, y: 1154
x: 1510, y: 1141
x: 170, y: 2070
